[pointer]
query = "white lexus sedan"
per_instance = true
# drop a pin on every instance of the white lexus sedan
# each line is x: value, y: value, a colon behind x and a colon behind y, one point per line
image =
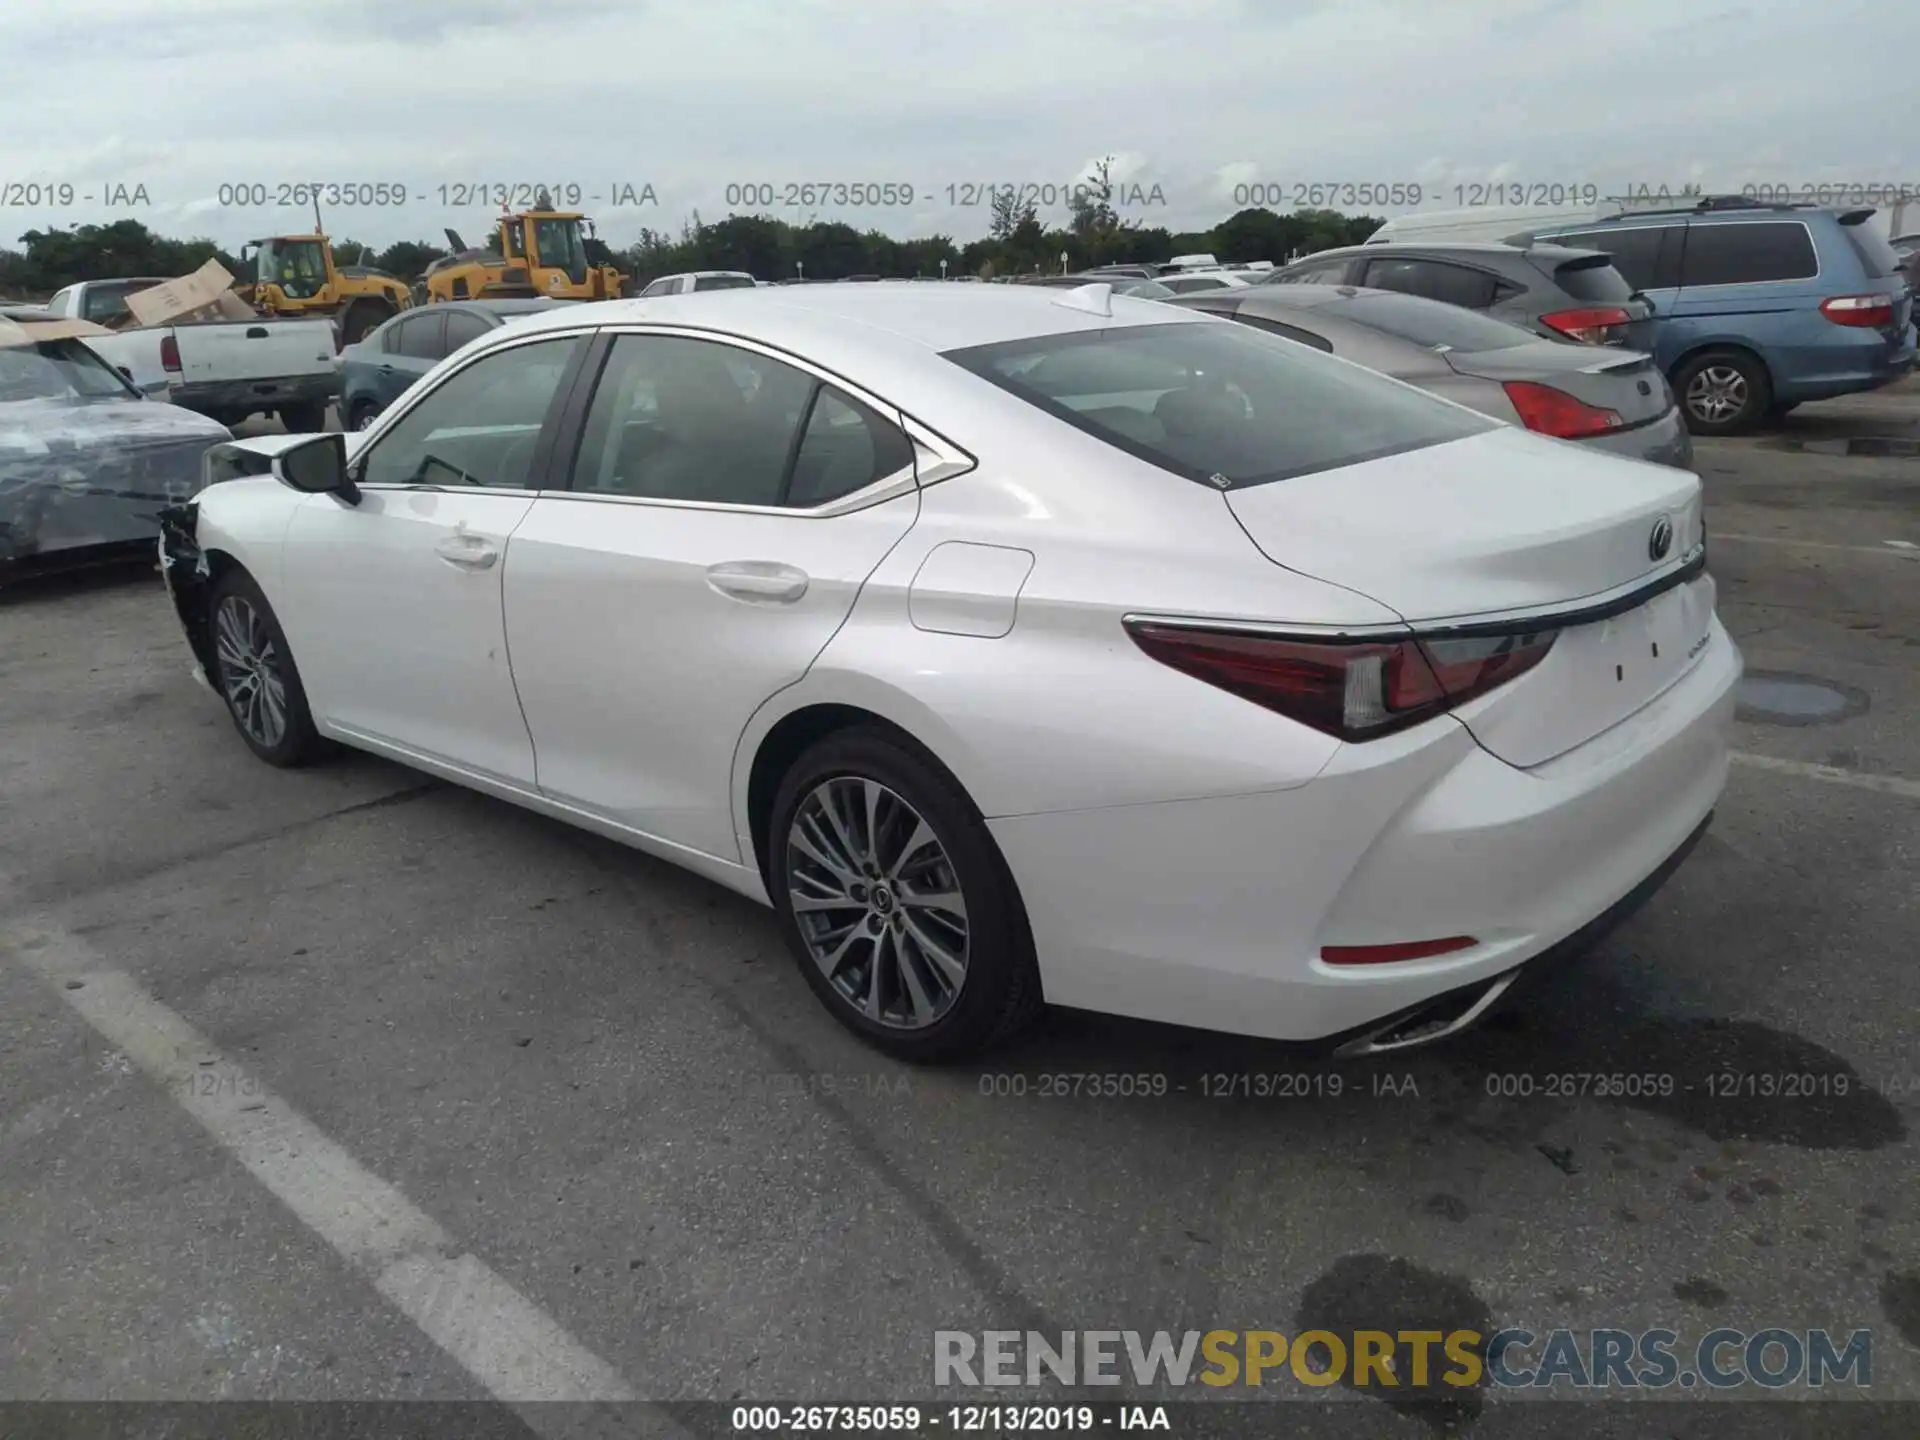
x: 1017, y: 646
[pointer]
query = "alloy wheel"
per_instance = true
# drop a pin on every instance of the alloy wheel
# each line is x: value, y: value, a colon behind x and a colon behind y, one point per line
x: 250, y: 671
x: 877, y: 902
x: 1716, y: 394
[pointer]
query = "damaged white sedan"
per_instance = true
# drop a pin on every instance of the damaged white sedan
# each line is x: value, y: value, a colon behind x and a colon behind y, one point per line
x: 1015, y: 646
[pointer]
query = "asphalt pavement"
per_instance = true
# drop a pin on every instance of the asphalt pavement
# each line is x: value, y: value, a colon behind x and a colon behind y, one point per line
x: 347, y: 1084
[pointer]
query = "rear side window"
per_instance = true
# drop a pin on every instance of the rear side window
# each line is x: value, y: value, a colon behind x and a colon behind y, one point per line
x: 462, y: 327
x: 1329, y: 273
x: 1877, y: 258
x: 1430, y: 323
x: 1748, y: 253
x: 1593, y: 282
x: 1648, y: 257
x: 1222, y: 405
x: 421, y: 338
x: 1434, y: 280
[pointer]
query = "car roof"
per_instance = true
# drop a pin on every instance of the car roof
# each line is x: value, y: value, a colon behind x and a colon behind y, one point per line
x: 1488, y: 249
x: 885, y: 337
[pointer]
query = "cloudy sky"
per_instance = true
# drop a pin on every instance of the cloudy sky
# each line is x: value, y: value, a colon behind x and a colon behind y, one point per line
x: 1195, y: 97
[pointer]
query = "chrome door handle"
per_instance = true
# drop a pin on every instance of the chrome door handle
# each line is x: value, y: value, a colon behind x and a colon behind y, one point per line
x: 758, y: 581
x: 469, y: 552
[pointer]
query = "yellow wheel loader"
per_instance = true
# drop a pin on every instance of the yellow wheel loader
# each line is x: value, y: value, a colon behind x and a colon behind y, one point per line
x: 536, y: 252
x: 295, y: 275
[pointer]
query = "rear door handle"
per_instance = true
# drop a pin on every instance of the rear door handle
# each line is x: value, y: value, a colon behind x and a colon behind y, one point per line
x: 758, y: 582
x: 469, y: 552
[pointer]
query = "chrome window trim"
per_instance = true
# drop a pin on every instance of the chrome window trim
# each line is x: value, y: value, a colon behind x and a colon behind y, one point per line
x: 1563, y: 615
x: 936, y: 457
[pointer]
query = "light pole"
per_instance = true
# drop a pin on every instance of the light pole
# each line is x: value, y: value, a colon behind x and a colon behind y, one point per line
x: 943, y: 269
x: 1063, y: 262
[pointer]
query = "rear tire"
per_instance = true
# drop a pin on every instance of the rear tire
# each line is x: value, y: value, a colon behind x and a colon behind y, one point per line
x: 361, y: 318
x: 938, y: 916
x: 1723, y: 392
x: 255, y: 674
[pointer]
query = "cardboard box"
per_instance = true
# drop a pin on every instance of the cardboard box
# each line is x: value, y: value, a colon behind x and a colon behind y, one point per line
x: 206, y: 294
x: 32, y: 332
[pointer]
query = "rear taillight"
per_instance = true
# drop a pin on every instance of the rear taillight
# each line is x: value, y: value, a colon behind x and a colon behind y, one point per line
x: 1355, y: 690
x: 1868, y: 312
x: 1594, y: 325
x: 169, y: 353
x: 1554, y: 412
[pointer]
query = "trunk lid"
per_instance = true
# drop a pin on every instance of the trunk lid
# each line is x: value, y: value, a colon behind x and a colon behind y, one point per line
x: 1623, y: 381
x: 1508, y: 521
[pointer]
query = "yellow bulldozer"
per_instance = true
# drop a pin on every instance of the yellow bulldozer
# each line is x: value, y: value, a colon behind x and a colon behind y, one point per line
x: 536, y: 252
x: 295, y: 275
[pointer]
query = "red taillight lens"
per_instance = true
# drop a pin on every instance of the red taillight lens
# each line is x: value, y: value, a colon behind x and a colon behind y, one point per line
x: 169, y: 353
x: 1869, y: 312
x: 1352, y: 690
x: 1595, y: 325
x: 1554, y: 412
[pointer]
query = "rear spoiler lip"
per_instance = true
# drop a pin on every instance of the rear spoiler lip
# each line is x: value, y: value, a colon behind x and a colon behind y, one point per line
x: 1562, y: 615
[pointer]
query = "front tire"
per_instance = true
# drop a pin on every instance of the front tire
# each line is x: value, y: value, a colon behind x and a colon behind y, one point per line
x: 896, y: 902
x: 1723, y: 392
x: 364, y: 413
x: 255, y: 674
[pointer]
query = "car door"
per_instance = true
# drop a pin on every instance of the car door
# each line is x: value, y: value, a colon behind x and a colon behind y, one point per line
x: 724, y: 508
x: 393, y: 605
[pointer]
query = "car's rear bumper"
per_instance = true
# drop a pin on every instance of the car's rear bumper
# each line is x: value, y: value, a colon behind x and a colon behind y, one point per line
x: 1665, y: 441
x: 237, y: 397
x: 1850, y: 370
x: 1213, y: 912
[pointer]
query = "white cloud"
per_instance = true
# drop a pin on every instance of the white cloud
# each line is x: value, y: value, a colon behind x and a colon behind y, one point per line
x: 1197, y: 97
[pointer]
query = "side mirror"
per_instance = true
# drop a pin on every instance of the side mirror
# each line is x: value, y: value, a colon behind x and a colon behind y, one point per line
x: 317, y: 466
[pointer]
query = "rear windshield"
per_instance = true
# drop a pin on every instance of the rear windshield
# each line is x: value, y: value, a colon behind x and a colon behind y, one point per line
x: 57, y: 370
x: 1586, y: 281
x: 1431, y: 323
x: 1219, y: 403
x: 1876, y: 254
x: 724, y: 282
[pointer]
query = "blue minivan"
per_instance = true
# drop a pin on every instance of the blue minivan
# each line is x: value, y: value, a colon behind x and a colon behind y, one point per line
x: 1759, y: 307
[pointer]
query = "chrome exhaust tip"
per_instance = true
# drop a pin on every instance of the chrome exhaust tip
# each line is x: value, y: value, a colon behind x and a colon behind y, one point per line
x: 1445, y: 1015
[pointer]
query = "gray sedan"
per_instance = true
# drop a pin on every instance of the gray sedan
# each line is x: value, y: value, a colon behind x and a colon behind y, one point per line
x: 86, y: 464
x: 1611, y: 399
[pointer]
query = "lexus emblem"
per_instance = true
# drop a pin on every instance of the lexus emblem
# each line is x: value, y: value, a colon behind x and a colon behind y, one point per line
x: 1661, y: 540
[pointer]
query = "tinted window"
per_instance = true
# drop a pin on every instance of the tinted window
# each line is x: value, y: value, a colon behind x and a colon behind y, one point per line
x: 724, y: 282
x: 1636, y: 254
x: 462, y: 326
x: 1747, y: 253
x: 1430, y: 323
x: 679, y: 419
x: 1285, y: 332
x: 478, y: 428
x: 1220, y: 404
x: 1600, y: 283
x: 420, y: 338
x: 846, y: 448
x: 1878, y: 258
x: 1187, y: 284
x: 1434, y: 279
x: 1330, y: 272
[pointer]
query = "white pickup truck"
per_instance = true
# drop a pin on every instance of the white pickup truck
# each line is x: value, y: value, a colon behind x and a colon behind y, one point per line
x: 226, y: 369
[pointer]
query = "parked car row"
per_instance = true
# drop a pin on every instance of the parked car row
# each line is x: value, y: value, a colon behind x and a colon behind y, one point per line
x: 1752, y: 308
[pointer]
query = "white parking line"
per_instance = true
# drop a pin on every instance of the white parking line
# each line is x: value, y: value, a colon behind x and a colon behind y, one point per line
x: 1894, y: 549
x: 1831, y: 774
x: 498, y: 1336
